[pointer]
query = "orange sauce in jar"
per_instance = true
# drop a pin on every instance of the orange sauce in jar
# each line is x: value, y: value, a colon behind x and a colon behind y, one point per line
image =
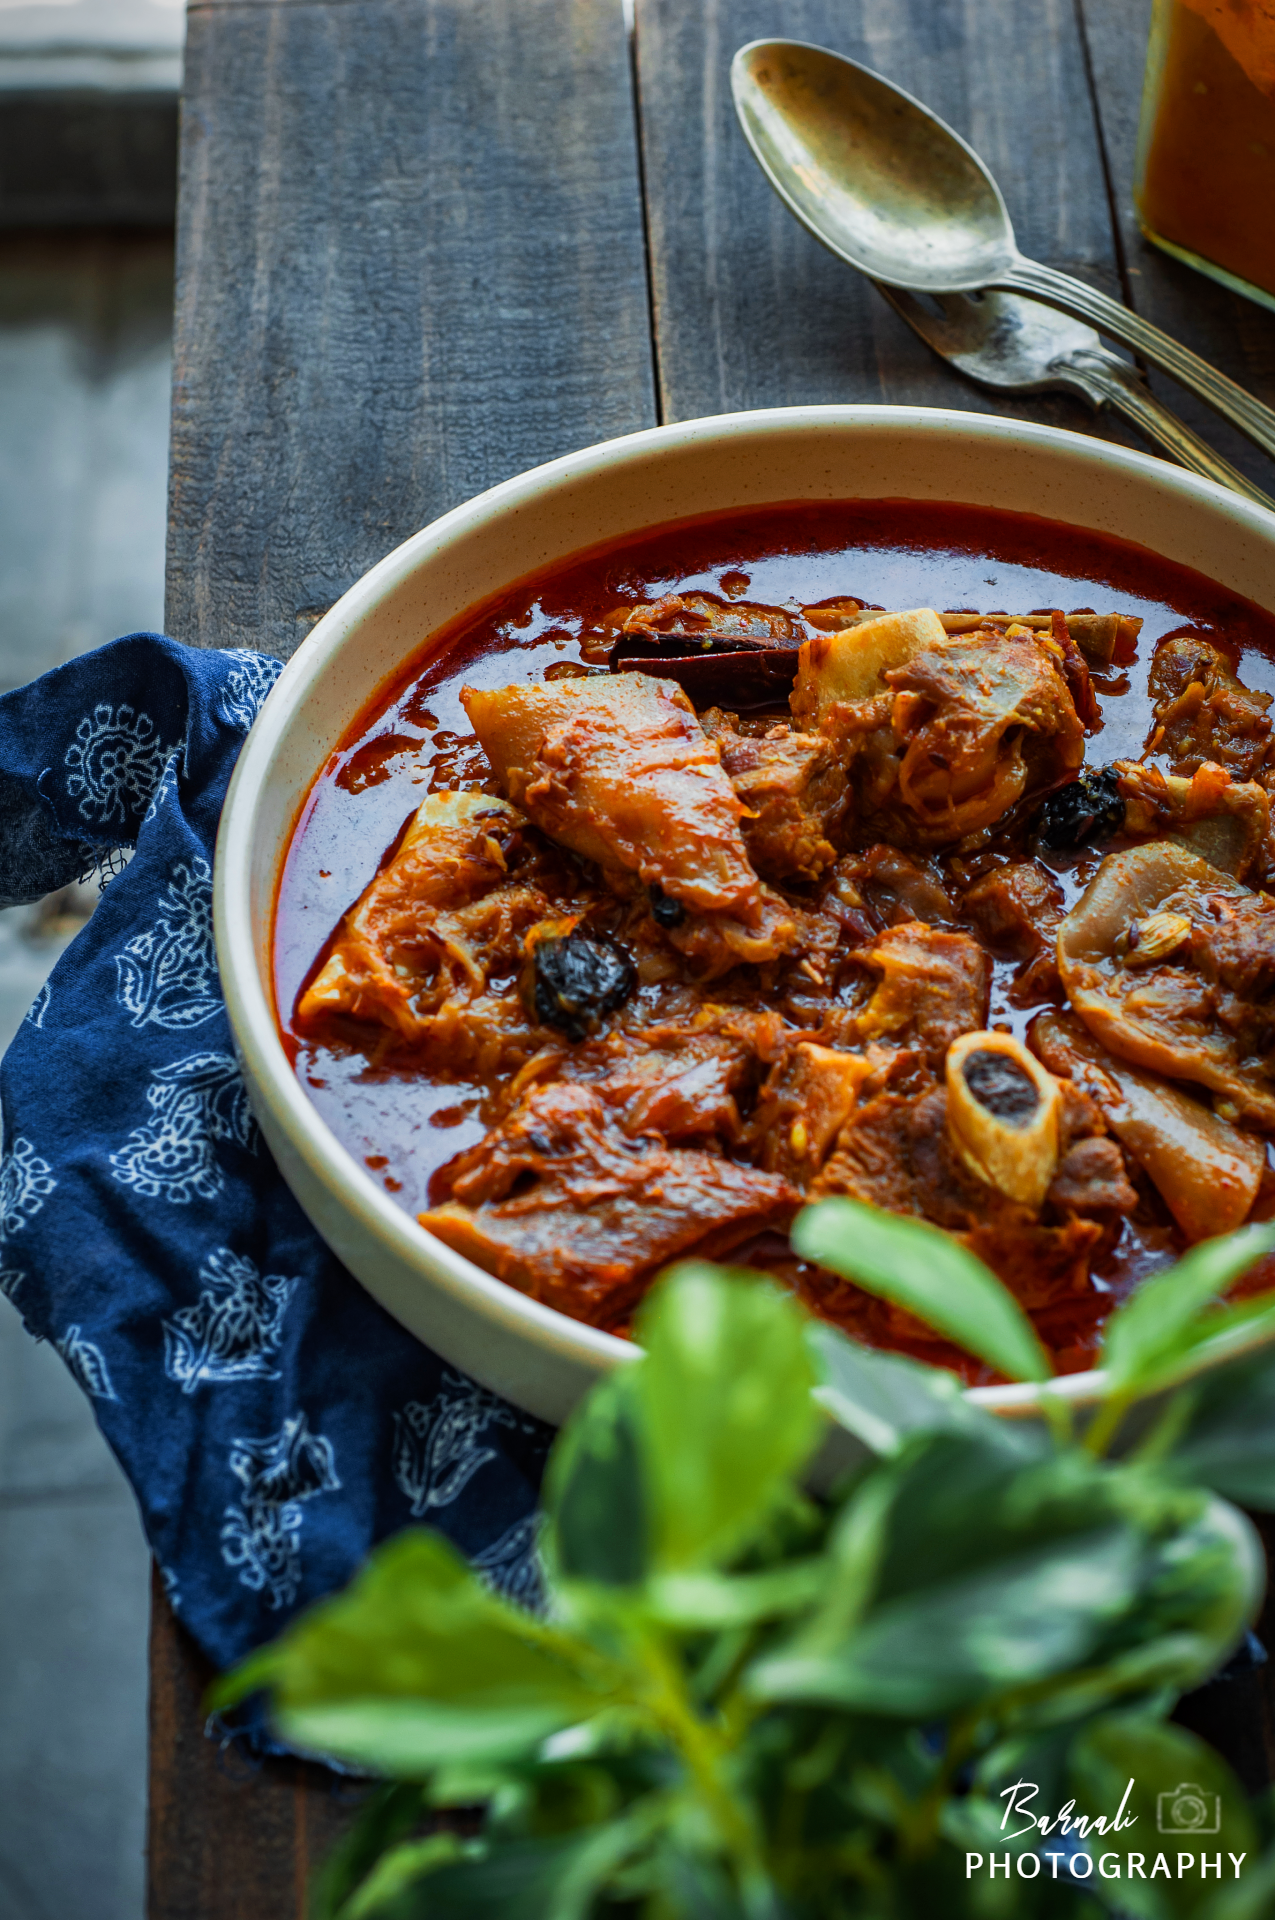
x: 1206, y: 176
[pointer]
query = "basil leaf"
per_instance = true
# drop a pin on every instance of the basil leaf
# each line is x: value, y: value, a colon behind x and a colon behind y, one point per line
x: 1158, y: 1324
x: 923, y: 1269
x: 1169, y: 1769
x: 726, y: 1415
x: 882, y: 1398
x: 417, y: 1664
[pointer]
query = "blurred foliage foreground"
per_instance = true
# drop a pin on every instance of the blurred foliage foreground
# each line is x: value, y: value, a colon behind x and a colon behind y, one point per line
x: 941, y: 1690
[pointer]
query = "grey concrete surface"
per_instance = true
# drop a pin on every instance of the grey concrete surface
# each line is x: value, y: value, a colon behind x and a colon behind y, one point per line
x: 84, y: 376
x: 85, y: 326
x: 117, y: 46
x: 73, y: 1616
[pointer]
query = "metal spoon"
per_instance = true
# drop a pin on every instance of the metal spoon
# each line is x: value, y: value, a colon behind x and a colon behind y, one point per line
x: 1014, y: 345
x: 891, y: 189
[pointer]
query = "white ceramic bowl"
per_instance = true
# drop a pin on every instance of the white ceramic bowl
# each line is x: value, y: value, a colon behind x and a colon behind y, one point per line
x: 535, y: 1356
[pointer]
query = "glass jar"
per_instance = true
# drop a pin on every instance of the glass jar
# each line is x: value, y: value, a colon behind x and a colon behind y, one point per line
x: 1205, y: 181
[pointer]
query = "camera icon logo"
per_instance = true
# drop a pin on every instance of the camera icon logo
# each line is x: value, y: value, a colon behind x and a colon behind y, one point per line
x: 1188, y: 1809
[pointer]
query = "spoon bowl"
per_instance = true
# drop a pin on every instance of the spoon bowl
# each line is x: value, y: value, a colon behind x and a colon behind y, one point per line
x: 872, y: 172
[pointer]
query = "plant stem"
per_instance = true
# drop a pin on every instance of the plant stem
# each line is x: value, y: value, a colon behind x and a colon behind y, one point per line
x: 1102, y: 1428
x: 704, y: 1749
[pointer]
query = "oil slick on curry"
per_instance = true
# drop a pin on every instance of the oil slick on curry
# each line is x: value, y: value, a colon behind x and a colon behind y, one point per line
x: 745, y: 865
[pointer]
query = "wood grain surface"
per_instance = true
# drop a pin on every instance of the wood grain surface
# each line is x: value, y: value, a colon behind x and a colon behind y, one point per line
x: 229, y: 1838
x: 751, y: 311
x: 410, y: 264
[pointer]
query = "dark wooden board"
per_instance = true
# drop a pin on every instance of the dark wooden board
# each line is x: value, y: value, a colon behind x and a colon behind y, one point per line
x: 88, y: 159
x: 753, y: 312
x: 410, y: 264
x: 228, y: 1838
x: 1235, y: 334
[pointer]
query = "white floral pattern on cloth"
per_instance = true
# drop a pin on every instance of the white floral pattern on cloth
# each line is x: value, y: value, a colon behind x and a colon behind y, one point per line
x: 234, y: 1330
x: 262, y: 1535
x: 172, y: 1587
x: 168, y: 973
x: 87, y: 1364
x: 26, y: 1181
x: 196, y: 1102
x: 166, y: 786
x: 39, y: 1006
x: 247, y: 684
x: 512, y: 1564
x: 436, y: 1452
x: 116, y: 760
x: 11, y: 1278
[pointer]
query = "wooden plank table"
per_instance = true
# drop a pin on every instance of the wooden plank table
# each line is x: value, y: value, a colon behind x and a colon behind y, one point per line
x: 424, y: 244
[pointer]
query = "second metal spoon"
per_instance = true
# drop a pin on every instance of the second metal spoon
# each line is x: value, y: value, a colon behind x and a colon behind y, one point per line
x: 891, y: 189
x: 1013, y: 345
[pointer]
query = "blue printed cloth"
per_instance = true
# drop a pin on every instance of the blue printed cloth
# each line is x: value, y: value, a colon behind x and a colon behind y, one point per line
x: 274, y: 1422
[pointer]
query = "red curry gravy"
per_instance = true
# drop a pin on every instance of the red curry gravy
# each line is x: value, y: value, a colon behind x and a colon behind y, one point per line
x: 406, y: 1125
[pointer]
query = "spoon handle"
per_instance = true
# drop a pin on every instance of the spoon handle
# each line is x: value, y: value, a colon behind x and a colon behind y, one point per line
x: 1223, y: 395
x: 1116, y: 384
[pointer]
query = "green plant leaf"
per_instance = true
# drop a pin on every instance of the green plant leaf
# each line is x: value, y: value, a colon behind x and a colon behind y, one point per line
x: 1157, y: 1326
x: 882, y: 1398
x: 1251, y: 1897
x: 550, y: 1877
x: 941, y: 1648
x: 386, y: 1818
x: 594, y: 1492
x: 418, y: 1664
x: 692, y: 1885
x: 391, y: 1891
x: 1227, y: 1439
x: 1160, y: 1760
x: 856, y: 1549
x: 1208, y: 1575
x: 727, y: 1417
x: 1227, y: 1334
x: 960, y: 1503
x: 923, y: 1269
x: 706, y: 1600
x: 410, y: 1738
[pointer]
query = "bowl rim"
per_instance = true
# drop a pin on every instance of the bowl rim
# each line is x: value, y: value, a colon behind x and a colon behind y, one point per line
x: 249, y: 1001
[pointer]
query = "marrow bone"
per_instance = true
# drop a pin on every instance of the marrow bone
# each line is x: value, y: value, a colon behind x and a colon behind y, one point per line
x: 1002, y: 1114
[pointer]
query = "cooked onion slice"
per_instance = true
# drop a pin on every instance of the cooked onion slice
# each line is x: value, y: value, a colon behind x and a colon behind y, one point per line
x: 1002, y: 1114
x: 1225, y: 821
x: 848, y: 666
x: 1207, y: 1171
x: 1191, y: 1016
